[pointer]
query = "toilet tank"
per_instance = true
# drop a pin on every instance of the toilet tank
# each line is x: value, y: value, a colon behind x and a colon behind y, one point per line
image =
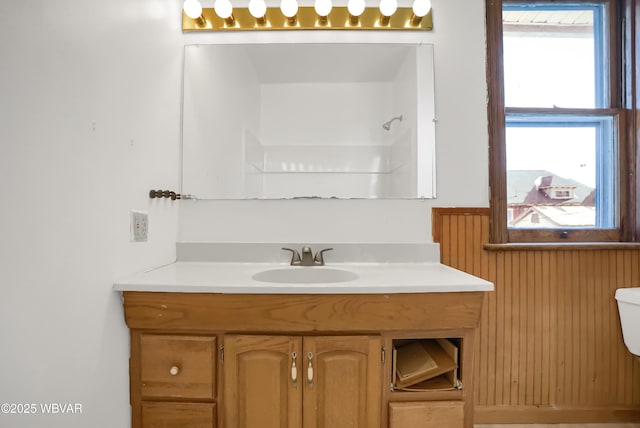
x: 629, y: 309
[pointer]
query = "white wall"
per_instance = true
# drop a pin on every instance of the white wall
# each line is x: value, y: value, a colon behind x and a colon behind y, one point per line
x: 461, y: 149
x: 68, y: 186
x: 90, y: 121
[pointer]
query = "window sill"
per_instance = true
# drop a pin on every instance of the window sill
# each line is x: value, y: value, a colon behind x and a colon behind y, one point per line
x: 556, y: 246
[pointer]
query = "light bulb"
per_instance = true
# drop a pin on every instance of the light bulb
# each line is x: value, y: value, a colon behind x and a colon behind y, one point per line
x: 323, y: 7
x: 223, y: 8
x: 289, y: 8
x: 257, y: 8
x: 421, y: 7
x: 388, y: 7
x: 355, y: 7
x: 192, y: 8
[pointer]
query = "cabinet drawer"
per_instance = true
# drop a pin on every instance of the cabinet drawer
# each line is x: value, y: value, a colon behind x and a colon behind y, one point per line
x: 177, y: 366
x: 178, y: 415
x: 426, y: 414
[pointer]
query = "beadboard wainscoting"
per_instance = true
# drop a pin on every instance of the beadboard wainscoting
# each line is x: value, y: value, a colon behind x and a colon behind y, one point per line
x: 549, y: 347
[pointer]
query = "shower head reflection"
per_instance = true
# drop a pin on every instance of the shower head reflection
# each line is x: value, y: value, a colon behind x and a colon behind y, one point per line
x: 387, y: 125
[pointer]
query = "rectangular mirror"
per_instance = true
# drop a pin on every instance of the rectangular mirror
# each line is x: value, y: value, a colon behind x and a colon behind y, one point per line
x: 339, y: 120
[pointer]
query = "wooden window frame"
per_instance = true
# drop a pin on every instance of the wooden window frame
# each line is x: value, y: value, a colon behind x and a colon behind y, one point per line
x: 624, y: 72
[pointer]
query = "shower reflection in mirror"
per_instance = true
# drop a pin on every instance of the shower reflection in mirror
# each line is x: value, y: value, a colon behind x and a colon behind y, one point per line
x: 288, y: 120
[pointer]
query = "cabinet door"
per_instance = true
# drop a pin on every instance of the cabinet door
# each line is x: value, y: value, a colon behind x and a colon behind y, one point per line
x: 345, y: 387
x: 259, y: 386
x: 178, y: 415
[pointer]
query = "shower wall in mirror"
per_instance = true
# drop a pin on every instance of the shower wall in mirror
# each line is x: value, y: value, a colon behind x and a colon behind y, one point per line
x: 271, y: 121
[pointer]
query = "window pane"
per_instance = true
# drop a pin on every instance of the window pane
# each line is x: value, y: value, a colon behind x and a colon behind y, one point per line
x: 561, y: 175
x: 554, y: 56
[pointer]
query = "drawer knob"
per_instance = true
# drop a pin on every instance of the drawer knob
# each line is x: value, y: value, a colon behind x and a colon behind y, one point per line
x: 174, y: 370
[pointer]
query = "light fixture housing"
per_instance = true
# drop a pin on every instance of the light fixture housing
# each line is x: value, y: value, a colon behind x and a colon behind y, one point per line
x: 290, y: 16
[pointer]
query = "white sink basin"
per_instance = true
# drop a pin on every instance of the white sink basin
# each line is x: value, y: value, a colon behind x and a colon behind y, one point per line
x: 305, y: 275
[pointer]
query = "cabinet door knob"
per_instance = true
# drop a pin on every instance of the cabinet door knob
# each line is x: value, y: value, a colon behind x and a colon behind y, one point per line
x: 174, y: 370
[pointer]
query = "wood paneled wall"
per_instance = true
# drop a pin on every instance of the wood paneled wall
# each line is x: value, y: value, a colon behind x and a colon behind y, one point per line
x: 549, y: 346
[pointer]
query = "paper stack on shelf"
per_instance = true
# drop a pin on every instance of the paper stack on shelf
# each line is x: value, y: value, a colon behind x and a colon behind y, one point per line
x: 432, y: 361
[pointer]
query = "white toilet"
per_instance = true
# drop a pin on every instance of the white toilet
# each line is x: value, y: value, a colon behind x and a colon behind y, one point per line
x: 629, y: 308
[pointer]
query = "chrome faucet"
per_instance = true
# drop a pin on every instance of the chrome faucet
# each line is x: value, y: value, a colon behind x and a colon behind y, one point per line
x: 307, y: 258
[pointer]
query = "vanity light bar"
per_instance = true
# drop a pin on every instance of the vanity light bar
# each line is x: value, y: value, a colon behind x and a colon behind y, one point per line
x: 306, y: 18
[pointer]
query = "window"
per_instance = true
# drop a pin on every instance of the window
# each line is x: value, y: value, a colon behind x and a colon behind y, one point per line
x: 561, y: 145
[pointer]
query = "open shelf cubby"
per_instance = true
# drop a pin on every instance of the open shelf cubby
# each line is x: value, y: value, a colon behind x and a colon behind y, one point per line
x: 426, y: 364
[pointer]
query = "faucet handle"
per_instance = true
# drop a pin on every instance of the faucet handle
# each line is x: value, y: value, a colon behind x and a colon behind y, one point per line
x: 319, y: 258
x: 295, y: 256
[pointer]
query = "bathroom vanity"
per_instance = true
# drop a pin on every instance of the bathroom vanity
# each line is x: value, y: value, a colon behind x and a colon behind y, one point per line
x: 213, y: 347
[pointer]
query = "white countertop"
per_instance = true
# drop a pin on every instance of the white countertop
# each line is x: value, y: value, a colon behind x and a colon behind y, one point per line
x: 236, y: 278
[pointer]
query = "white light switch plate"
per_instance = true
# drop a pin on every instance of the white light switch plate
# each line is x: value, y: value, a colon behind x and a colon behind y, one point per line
x: 139, y: 226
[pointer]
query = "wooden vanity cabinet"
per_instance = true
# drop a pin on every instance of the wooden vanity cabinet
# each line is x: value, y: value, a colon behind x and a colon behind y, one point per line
x: 209, y: 360
x: 309, y: 382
